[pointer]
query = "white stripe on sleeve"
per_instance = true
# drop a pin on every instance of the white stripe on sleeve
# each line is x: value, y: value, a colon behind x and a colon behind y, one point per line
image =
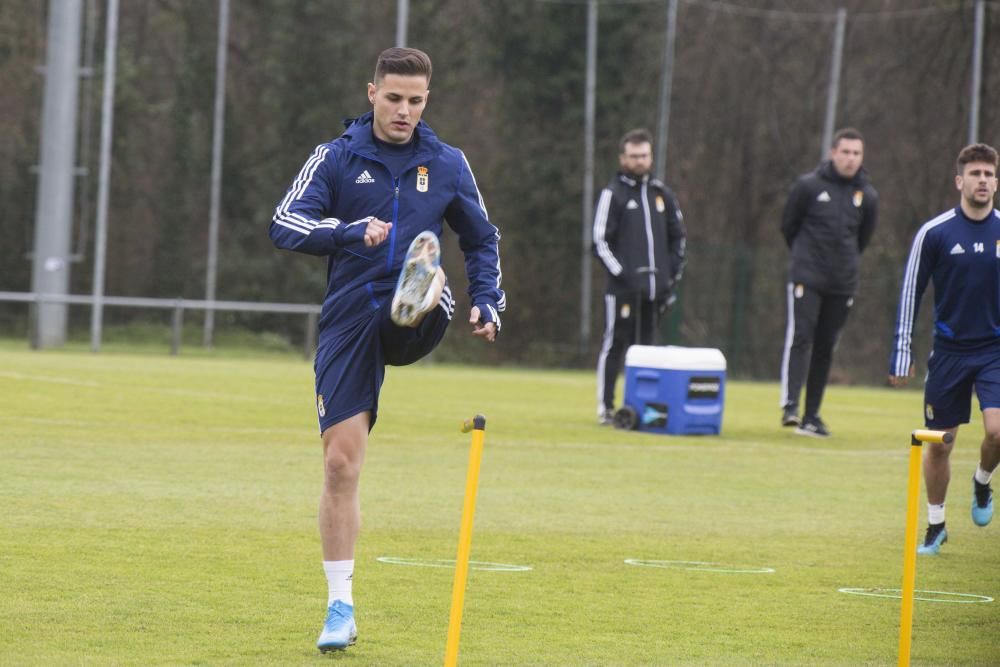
x: 600, y: 226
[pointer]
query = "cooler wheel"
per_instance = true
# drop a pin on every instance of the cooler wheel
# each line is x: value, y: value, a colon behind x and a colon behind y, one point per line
x: 626, y: 418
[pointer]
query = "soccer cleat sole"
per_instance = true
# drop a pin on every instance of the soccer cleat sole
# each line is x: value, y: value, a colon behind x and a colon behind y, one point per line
x: 331, y: 649
x: 419, y: 269
x: 811, y: 434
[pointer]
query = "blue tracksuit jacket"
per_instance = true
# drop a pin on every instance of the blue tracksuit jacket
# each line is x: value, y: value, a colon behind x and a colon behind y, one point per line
x: 962, y: 258
x: 343, y: 184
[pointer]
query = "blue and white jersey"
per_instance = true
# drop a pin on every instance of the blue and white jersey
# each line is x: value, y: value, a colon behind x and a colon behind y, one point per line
x: 344, y: 184
x: 962, y: 258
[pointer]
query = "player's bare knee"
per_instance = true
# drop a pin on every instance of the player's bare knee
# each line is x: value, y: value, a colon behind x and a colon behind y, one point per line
x: 340, y: 470
x: 939, y: 449
x: 991, y: 436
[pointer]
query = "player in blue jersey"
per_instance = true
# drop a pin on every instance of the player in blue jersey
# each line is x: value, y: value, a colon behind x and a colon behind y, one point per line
x: 959, y: 252
x: 373, y: 202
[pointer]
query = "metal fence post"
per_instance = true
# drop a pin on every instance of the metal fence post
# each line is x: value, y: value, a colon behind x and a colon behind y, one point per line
x: 104, y: 177
x: 590, y: 106
x: 833, y: 87
x: 977, y: 72
x: 311, y: 324
x: 33, y: 325
x: 666, y: 91
x: 215, y: 203
x: 177, y: 328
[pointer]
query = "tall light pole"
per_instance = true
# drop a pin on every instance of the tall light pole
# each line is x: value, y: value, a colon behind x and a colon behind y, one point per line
x: 57, y: 170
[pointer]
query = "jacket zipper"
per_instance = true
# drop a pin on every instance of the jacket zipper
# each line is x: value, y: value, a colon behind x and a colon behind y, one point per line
x: 395, y: 224
x: 649, y: 241
x: 395, y: 206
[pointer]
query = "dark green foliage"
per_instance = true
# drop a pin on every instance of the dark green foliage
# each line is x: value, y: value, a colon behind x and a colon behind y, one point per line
x: 749, y: 96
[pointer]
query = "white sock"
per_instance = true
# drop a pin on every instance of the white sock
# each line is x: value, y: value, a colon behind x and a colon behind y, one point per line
x: 982, y: 476
x: 339, y: 574
x: 935, y: 514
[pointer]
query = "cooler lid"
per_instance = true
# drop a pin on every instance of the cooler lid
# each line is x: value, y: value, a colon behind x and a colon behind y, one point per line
x: 674, y: 357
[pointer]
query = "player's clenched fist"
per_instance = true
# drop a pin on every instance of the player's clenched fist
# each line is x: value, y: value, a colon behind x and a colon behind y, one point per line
x: 376, y: 231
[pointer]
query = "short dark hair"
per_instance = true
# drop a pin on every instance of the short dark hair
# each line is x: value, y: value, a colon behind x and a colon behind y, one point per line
x: 636, y: 136
x: 976, y: 153
x: 846, y: 133
x: 403, y: 61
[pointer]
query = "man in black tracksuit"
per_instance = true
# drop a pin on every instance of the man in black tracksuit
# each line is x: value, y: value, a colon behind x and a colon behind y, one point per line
x: 639, y: 238
x: 827, y: 223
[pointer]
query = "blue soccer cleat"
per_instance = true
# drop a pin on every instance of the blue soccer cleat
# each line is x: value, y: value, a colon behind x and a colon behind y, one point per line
x: 339, y: 631
x: 936, y: 536
x: 982, y: 503
x: 414, y: 295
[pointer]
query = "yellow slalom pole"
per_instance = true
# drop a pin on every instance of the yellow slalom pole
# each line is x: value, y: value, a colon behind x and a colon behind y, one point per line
x: 478, y: 427
x: 917, y: 438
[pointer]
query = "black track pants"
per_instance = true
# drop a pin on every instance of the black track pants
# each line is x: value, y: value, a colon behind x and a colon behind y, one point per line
x: 621, y: 322
x: 814, y: 324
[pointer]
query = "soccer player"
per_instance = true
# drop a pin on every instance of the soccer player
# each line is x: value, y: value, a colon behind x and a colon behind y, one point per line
x: 959, y: 251
x: 828, y: 220
x: 372, y: 201
x: 640, y: 239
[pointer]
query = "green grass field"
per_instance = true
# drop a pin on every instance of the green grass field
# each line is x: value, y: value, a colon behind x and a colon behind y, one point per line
x: 161, y: 510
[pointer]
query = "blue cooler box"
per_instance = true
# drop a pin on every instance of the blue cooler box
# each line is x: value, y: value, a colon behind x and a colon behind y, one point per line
x: 676, y: 390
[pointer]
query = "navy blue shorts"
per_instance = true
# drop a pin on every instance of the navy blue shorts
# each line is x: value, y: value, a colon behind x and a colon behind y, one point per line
x: 350, y: 366
x: 951, y: 379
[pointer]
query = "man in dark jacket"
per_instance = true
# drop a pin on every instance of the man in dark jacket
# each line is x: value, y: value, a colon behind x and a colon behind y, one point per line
x: 373, y: 202
x: 639, y: 238
x: 827, y: 223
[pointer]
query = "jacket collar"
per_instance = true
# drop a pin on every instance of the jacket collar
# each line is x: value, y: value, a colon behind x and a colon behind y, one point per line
x: 360, y: 140
x: 631, y: 181
x: 827, y: 172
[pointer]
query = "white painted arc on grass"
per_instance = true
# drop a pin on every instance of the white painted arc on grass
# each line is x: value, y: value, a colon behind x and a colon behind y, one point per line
x: 897, y: 594
x: 700, y: 566
x: 450, y: 563
x: 13, y: 375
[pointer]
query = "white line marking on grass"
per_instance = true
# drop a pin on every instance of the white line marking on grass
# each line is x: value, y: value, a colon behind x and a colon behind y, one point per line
x: 700, y: 566
x: 46, y: 378
x: 440, y: 562
x: 715, y: 444
x: 860, y: 409
x: 193, y: 393
x: 48, y: 421
x: 896, y: 594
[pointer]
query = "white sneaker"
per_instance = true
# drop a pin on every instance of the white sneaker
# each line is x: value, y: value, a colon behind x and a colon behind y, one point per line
x: 414, y: 294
